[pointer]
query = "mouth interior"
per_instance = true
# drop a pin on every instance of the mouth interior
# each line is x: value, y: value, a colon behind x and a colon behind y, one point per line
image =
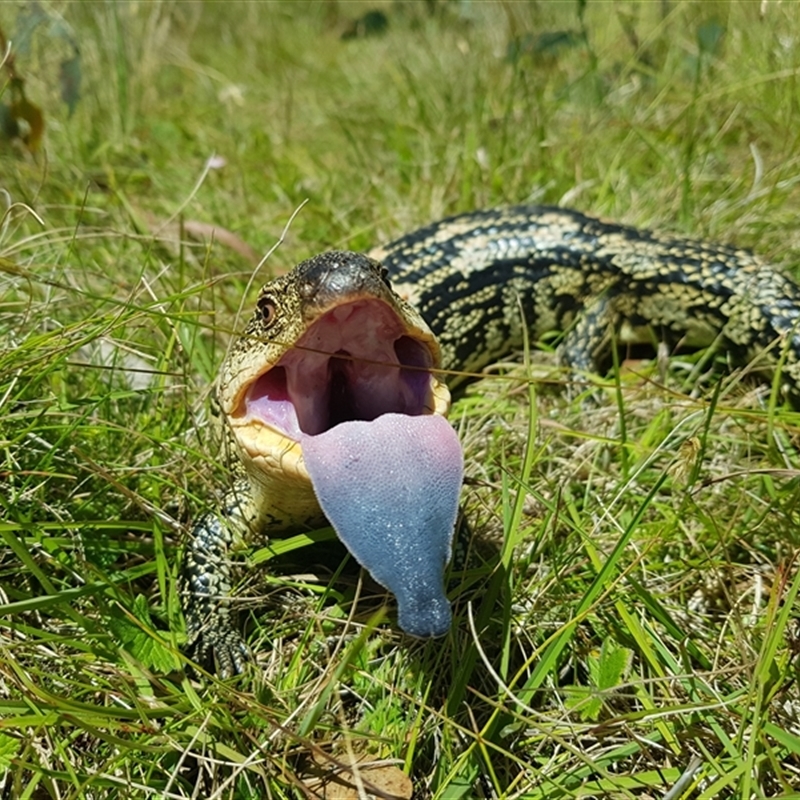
x: 354, y: 363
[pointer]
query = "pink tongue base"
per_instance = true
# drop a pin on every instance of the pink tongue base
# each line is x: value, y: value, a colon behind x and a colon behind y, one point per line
x: 390, y: 489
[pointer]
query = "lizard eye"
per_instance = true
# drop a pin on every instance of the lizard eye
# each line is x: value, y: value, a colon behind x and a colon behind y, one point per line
x: 266, y: 306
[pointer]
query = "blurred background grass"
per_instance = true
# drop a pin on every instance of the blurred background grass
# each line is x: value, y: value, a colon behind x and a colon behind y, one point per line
x: 631, y: 586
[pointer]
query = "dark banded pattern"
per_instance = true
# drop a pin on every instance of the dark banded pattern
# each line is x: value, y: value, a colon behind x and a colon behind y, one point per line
x: 473, y: 277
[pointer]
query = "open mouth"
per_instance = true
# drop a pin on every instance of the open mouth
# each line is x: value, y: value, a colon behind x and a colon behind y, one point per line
x: 354, y: 409
x: 355, y: 363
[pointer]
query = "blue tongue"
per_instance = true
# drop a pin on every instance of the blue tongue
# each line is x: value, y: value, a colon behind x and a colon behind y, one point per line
x: 390, y: 489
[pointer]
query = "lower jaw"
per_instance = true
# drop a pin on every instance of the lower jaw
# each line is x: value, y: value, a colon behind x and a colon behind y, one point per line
x: 282, y: 496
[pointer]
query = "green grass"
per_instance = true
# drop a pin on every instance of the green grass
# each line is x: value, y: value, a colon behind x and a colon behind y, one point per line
x: 625, y: 590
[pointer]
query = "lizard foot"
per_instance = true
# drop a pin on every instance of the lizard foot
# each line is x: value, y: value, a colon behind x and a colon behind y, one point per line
x: 222, y: 651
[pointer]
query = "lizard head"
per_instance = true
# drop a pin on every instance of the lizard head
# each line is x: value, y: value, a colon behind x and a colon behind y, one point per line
x: 333, y: 403
x: 328, y: 343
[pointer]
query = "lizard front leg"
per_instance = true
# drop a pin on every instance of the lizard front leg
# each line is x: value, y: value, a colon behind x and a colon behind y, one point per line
x: 214, y: 640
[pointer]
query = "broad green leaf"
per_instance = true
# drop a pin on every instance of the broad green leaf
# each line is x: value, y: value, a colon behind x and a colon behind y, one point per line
x: 9, y: 745
x: 139, y: 640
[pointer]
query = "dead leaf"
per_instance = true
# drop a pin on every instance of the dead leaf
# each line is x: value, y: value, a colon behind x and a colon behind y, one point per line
x: 22, y: 110
x: 356, y: 778
x: 169, y: 234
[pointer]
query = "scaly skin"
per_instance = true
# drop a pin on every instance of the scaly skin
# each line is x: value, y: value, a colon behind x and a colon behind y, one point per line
x: 469, y: 275
x: 463, y: 280
x: 272, y: 489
